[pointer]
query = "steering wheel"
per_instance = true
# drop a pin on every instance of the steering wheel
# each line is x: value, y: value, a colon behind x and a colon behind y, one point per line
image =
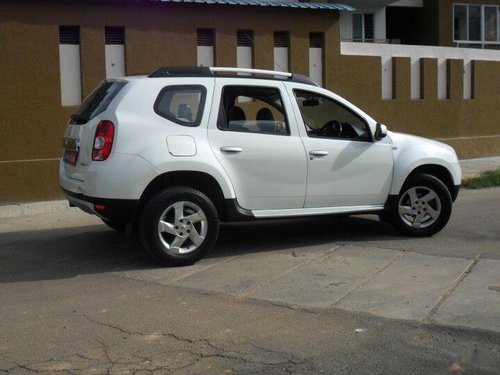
x: 331, y: 129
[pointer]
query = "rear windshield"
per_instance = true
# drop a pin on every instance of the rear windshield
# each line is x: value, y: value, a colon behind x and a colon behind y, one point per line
x: 97, y: 101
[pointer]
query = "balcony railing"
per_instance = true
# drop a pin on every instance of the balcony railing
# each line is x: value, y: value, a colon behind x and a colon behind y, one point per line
x: 374, y: 41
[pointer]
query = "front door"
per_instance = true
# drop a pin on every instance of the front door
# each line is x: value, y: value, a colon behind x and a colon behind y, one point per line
x: 346, y: 166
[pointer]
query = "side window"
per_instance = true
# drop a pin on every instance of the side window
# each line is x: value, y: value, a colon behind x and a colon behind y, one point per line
x: 324, y: 117
x: 182, y: 104
x: 252, y: 109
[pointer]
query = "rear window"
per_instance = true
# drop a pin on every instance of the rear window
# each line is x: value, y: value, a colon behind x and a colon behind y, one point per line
x: 97, y: 101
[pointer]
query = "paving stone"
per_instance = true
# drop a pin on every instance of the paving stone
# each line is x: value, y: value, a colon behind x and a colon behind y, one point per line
x: 475, y: 302
x: 409, y: 288
x: 323, y: 282
x: 247, y: 271
x: 168, y: 275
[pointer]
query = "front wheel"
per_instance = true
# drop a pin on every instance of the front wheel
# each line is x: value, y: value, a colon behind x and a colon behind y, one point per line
x: 179, y: 226
x: 423, y: 206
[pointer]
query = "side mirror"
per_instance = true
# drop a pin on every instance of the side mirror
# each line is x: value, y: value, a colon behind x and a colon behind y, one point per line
x: 380, y: 131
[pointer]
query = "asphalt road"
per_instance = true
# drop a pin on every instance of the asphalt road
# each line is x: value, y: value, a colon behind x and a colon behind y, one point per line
x: 69, y: 304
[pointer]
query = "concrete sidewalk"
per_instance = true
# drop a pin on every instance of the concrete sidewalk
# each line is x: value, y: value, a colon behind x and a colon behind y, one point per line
x: 383, y: 282
x: 474, y: 167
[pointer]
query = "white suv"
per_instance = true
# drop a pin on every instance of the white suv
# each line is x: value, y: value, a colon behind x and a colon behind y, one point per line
x: 174, y: 153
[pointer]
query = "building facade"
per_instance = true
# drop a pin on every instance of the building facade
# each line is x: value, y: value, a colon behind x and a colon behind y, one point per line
x: 446, y: 23
x: 55, y: 52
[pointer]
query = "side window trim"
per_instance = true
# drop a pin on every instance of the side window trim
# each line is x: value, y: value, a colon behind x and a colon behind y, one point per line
x: 169, y: 116
x: 341, y: 105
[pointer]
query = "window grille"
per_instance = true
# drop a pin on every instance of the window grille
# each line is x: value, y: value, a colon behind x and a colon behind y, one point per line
x: 281, y: 39
x: 316, y: 40
x: 69, y: 35
x: 114, y: 35
x: 245, y: 38
x: 206, y: 37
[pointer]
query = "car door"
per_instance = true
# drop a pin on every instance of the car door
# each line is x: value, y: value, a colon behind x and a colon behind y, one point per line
x: 252, y: 138
x: 346, y: 166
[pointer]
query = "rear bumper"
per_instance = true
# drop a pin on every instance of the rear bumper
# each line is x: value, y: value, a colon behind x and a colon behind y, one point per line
x: 121, y: 210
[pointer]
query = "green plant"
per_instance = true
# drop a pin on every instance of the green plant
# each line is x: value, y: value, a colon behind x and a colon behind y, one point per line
x: 485, y: 179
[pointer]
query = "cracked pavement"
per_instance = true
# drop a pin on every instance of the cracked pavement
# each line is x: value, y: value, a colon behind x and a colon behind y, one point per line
x: 302, y: 296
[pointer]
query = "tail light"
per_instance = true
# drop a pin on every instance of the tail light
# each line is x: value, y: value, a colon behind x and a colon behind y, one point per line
x: 103, y: 140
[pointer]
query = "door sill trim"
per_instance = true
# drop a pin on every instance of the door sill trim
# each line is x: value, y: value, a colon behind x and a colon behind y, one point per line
x: 317, y: 211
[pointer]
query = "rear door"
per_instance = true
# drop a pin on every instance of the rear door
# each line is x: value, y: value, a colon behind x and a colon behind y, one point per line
x: 251, y: 135
x: 79, y: 134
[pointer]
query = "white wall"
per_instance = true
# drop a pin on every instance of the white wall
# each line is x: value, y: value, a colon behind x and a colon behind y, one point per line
x: 387, y: 51
x: 316, y: 65
x: 379, y: 21
x: 71, y: 83
x: 205, y: 55
x: 281, y: 59
x: 115, y: 60
x: 244, y: 57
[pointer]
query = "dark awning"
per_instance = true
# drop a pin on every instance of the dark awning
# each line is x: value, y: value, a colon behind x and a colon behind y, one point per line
x: 265, y: 3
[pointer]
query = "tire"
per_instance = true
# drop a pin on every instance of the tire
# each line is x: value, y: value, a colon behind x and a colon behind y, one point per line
x: 179, y: 226
x: 117, y: 226
x: 423, y: 206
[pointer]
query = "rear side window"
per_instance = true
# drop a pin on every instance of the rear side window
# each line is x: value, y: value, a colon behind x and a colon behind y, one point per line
x: 182, y: 104
x: 97, y: 102
x: 252, y: 109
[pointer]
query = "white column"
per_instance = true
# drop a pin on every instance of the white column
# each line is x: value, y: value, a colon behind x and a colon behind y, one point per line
x: 71, y: 83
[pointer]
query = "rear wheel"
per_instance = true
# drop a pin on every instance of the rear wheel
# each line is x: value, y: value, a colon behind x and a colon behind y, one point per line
x: 179, y: 226
x: 423, y: 206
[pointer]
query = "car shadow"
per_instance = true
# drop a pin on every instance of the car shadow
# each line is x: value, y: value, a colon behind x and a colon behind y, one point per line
x: 69, y: 252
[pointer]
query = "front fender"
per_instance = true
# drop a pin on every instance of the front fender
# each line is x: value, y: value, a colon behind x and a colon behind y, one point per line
x: 413, y: 152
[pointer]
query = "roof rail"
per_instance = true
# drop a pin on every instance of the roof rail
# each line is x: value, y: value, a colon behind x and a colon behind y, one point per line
x: 182, y: 71
x: 242, y: 71
x: 203, y: 71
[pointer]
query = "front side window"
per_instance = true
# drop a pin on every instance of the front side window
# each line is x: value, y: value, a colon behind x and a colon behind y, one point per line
x: 182, y: 104
x: 252, y: 109
x: 326, y: 118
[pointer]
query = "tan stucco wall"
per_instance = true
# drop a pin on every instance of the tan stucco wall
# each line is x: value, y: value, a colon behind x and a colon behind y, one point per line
x: 471, y: 126
x: 32, y: 119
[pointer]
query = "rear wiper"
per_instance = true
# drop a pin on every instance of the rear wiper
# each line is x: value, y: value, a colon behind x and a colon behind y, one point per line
x: 79, y: 119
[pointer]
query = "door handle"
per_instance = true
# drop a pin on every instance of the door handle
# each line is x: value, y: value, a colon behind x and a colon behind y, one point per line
x: 317, y: 154
x: 231, y: 149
